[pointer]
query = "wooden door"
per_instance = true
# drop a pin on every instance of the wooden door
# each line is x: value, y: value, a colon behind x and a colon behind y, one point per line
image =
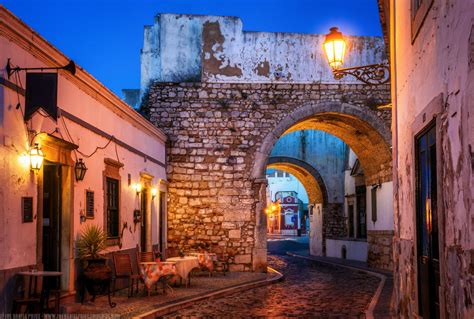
x: 51, y: 254
x: 361, y: 211
x: 144, y: 214
x: 162, y: 227
x: 427, y: 224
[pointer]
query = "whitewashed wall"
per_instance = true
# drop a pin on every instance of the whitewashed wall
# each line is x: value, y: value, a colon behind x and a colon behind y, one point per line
x: 174, y: 51
x: 434, y: 74
x: 282, y: 184
x: 17, y: 239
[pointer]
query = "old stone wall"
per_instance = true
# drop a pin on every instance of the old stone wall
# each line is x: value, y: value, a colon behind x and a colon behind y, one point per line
x: 334, y: 222
x: 380, y: 249
x: 433, y: 83
x: 215, y: 132
x: 185, y: 48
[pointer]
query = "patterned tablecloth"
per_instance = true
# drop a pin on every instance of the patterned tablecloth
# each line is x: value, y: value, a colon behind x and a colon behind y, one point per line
x: 184, y: 265
x: 151, y: 272
x: 206, y: 260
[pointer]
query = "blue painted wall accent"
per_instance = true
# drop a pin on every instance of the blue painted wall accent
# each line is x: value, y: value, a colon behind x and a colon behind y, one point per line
x: 323, y: 151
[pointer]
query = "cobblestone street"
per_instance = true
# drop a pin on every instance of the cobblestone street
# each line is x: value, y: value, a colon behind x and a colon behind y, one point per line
x: 309, y: 290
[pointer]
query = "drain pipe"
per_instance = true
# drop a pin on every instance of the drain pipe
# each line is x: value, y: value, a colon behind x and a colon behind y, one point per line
x: 393, y: 69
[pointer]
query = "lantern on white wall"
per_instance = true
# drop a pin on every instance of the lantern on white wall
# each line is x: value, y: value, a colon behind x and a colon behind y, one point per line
x: 36, y: 157
x: 80, y: 170
x: 335, y: 48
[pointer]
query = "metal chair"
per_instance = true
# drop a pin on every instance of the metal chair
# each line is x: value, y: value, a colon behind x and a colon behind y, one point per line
x: 32, y: 305
x: 222, y: 263
x: 123, y: 269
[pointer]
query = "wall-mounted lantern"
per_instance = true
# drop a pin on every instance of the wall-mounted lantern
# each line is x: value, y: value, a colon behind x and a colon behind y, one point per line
x: 80, y: 170
x: 36, y: 157
x: 137, y: 216
x: 335, y: 49
x: 137, y: 187
x: 154, y: 192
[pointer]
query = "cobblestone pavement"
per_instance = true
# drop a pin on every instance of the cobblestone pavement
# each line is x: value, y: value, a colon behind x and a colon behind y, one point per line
x: 309, y: 290
x: 134, y: 306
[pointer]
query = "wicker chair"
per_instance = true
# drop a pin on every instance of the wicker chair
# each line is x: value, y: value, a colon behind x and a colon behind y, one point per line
x: 123, y: 269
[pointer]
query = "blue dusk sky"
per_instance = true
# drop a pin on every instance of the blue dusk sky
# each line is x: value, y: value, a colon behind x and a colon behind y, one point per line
x: 105, y: 36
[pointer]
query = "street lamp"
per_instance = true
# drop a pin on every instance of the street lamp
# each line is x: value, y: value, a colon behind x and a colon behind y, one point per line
x: 80, y: 170
x: 137, y: 187
x: 154, y: 192
x: 335, y: 48
x: 36, y: 157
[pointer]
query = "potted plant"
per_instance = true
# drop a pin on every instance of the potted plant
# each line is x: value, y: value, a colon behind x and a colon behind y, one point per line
x: 90, y: 247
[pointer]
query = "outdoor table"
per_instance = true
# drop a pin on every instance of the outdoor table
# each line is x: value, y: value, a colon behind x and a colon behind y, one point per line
x: 33, y: 276
x: 151, y: 272
x: 206, y: 260
x: 184, y: 265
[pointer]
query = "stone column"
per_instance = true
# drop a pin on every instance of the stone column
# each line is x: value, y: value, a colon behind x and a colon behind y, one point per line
x: 316, y: 231
x: 259, y: 255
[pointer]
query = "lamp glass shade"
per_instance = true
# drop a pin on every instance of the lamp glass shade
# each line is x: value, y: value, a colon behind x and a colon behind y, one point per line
x: 335, y: 48
x: 137, y: 187
x: 80, y: 170
x: 36, y: 157
x: 154, y: 192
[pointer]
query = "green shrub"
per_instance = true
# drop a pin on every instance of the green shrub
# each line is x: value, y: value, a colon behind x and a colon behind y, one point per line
x: 91, y: 243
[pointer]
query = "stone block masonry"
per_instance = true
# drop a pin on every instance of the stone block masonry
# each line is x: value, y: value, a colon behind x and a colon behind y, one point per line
x: 215, y: 133
x: 380, y: 249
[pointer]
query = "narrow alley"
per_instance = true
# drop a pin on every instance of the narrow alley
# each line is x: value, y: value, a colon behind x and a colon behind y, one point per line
x: 309, y: 289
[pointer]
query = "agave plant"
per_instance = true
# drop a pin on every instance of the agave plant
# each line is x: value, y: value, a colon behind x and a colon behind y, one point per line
x: 91, y: 242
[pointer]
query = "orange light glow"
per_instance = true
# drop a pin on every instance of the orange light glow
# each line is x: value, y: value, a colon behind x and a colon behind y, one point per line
x: 137, y: 187
x: 335, y: 48
x: 36, y: 157
x: 24, y: 160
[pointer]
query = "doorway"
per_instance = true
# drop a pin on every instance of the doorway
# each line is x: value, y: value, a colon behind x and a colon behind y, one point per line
x: 144, y: 224
x: 162, y: 222
x: 52, y: 218
x: 427, y: 224
x: 361, y: 211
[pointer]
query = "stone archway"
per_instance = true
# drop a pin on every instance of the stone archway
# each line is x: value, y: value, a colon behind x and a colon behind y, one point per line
x: 362, y: 130
x: 317, y: 196
x: 305, y: 173
x: 220, y: 138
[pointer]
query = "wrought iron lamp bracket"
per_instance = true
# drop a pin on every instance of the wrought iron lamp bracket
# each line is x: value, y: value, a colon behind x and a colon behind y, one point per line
x: 71, y: 67
x: 372, y: 74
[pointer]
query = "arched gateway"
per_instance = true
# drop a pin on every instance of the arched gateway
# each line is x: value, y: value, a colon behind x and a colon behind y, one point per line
x: 360, y: 128
x: 317, y: 192
x: 223, y: 96
x: 221, y: 136
x: 308, y: 176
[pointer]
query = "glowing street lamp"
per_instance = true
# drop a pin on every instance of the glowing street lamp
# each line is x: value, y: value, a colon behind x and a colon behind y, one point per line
x: 36, y: 157
x: 137, y: 187
x: 154, y: 192
x: 273, y: 211
x: 335, y: 49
